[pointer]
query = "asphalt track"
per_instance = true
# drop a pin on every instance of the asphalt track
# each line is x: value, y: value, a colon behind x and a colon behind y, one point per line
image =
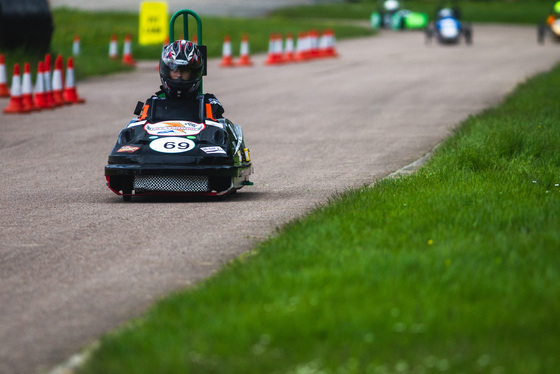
x: 76, y: 262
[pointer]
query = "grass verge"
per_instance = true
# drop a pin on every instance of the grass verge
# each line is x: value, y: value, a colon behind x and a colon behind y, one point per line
x: 453, y: 269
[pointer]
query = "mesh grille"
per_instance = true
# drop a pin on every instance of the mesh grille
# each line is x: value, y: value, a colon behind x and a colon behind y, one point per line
x: 171, y: 183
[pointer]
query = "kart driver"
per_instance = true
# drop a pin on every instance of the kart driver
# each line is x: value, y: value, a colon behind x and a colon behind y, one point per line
x: 555, y: 13
x: 180, y: 69
x: 390, y: 7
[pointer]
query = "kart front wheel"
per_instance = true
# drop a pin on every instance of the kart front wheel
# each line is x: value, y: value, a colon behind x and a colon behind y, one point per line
x: 127, y: 190
x: 541, y: 30
x: 468, y: 34
x: 402, y: 24
x: 429, y: 33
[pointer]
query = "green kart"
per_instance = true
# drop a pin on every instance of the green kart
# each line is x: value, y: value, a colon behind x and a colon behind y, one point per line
x: 390, y: 16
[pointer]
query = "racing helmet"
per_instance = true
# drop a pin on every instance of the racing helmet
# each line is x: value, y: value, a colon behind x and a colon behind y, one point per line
x: 444, y: 13
x: 181, y: 56
x: 391, y: 5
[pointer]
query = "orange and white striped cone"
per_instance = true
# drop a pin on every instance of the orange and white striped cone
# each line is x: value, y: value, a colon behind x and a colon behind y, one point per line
x: 227, y: 60
x: 15, y: 105
x: 289, y: 49
x: 314, y: 44
x: 40, y: 96
x: 48, y: 81
x: 76, y: 46
x: 244, y: 57
x: 113, y: 48
x: 4, y: 90
x: 127, y: 52
x: 57, y: 84
x: 70, y: 94
x: 327, y: 44
x: 274, y: 50
x: 27, y: 89
x: 302, y: 47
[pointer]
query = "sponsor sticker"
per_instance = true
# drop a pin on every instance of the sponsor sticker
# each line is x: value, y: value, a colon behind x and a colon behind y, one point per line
x: 174, y: 128
x: 213, y: 150
x: 172, y: 145
x: 128, y: 148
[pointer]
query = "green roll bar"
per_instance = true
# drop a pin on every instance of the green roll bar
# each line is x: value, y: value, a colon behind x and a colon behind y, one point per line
x: 185, y: 13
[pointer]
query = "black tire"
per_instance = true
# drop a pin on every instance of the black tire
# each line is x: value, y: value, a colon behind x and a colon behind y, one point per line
x: 541, y: 31
x: 429, y: 33
x: 402, y: 24
x: 468, y: 34
x: 127, y: 189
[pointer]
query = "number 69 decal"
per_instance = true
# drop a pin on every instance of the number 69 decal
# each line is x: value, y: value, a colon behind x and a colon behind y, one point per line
x: 172, y: 145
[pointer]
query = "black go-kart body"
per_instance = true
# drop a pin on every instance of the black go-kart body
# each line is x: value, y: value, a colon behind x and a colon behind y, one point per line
x: 178, y: 149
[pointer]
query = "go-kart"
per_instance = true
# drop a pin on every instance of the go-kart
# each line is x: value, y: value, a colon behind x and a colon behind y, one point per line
x: 178, y: 149
x: 551, y: 28
x: 448, y: 28
x: 390, y: 16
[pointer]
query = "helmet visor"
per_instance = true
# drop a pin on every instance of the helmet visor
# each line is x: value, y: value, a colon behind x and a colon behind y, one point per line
x: 181, y: 72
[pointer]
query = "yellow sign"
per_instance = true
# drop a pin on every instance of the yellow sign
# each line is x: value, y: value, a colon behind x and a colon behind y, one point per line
x: 153, y: 25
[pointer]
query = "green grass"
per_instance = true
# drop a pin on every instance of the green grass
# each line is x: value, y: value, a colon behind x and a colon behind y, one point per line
x: 453, y: 269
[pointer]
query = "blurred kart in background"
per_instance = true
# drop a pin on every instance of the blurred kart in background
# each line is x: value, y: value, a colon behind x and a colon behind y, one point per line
x: 551, y: 27
x: 390, y: 16
x: 448, y: 27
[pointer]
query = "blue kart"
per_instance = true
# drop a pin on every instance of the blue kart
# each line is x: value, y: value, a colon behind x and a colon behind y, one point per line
x: 448, y: 28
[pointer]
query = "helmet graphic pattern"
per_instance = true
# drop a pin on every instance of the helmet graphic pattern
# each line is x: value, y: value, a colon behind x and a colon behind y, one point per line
x: 181, y: 54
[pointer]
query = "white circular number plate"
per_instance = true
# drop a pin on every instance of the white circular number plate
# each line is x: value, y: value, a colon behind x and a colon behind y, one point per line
x: 172, y: 145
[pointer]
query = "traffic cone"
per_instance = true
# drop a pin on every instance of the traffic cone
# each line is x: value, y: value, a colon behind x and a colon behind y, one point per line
x: 289, y: 49
x: 4, y: 90
x: 40, y: 96
x: 227, y: 60
x: 274, y: 50
x: 57, y: 84
x: 48, y: 81
x: 70, y: 94
x: 244, y: 58
x: 127, y: 52
x: 16, y: 101
x: 113, y: 48
x: 327, y: 44
x: 76, y: 46
x: 27, y: 89
x: 302, y: 47
x: 314, y: 44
